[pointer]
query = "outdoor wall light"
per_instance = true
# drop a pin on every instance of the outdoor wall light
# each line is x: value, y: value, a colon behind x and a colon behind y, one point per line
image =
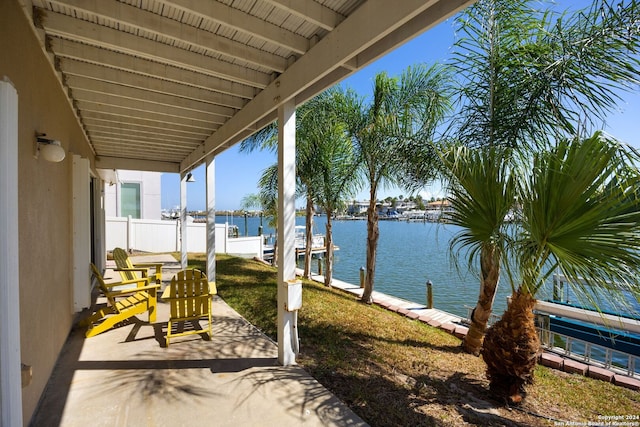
x: 51, y: 149
x: 190, y: 177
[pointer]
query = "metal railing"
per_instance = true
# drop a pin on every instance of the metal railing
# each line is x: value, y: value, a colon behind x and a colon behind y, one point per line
x: 577, y: 349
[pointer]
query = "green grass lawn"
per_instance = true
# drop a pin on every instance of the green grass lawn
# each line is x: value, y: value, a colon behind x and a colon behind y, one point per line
x: 393, y: 371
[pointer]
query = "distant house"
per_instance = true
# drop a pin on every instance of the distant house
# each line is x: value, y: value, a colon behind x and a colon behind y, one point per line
x: 134, y: 193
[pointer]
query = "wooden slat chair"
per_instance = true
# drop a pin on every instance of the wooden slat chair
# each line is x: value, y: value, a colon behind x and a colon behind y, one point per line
x: 122, y: 304
x: 190, y: 295
x: 130, y: 271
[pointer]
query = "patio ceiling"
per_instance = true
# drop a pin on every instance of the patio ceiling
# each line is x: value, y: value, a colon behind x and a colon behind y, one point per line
x: 160, y: 84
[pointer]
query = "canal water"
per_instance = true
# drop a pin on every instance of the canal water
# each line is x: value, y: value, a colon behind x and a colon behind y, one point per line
x: 409, y: 255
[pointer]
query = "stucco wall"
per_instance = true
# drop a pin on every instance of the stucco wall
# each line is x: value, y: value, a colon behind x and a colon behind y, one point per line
x: 45, y: 229
x: 150, y: 188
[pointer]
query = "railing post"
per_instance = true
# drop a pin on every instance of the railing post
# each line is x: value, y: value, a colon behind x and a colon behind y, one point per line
x: 319, y: 266
x: 362, y: 276
x: 429, y: 294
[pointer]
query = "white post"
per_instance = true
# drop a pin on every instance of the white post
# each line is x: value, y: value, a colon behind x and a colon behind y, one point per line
x: 287, y: 332
x: 81, y: 238
x: 183, y: 220
x: 129, y: 233
x: 211, y: 217
x: 10, y: 371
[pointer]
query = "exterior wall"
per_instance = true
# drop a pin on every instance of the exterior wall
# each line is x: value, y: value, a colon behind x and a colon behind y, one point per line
x: 150, y: 189
x: 45, y: 193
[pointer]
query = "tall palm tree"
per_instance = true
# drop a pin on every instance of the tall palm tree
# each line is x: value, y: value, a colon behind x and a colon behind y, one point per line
x: 580, y: 213
x: 329, y: 160
x: 397, y: 125
x: 267, y: 139
x: 528, y: 77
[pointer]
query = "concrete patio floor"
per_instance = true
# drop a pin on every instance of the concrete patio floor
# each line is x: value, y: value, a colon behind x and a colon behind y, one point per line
x: 127, y: 377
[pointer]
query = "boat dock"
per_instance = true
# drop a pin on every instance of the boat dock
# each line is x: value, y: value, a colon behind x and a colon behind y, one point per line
x: 434, y: 317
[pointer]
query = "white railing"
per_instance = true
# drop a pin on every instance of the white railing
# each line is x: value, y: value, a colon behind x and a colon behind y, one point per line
x: 164, y: 236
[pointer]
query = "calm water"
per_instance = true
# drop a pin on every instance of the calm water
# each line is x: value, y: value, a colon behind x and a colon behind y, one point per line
x: 409, y: 254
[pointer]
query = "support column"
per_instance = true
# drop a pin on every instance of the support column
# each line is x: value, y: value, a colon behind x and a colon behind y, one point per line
x: 211, y: 217
x: 183, y: 220
x: 10, y: 372
x: 287, y: 328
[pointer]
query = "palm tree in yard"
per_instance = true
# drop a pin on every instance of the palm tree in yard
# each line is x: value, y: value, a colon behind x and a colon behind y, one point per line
x: 267, y: 139
x: 398, y: 124
x: 528, y: 77
x: 328, y: 159
x: 580, y: 214
x: 482, y: 192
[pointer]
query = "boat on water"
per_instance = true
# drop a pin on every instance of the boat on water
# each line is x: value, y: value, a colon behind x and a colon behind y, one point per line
x: 607, y: 337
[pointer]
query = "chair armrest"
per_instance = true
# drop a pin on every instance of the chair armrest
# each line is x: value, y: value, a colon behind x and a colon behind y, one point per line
x: 148, y: 265
x: 133, y: 290
x: 129, y: 282
x: 213, y: 290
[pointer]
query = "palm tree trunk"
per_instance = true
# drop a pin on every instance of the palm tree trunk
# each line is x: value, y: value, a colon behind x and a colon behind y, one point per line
x: 490, y: 269
x: 373, y: 232
x: 511, y: 348
x: 329, y: 251
x: 309, y: 238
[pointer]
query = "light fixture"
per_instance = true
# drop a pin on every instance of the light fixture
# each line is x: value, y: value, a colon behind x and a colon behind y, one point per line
x: 190, y: 177
x: 51, y: 149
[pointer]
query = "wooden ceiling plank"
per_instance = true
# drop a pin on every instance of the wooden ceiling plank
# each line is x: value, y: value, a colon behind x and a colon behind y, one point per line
x: 91, y: 119
x: 310, y: 11
x: 105, y: 131
x: 80, y: 94
x: 133, y: 93
x: 110, y: 38
x: 71, y: 49
x: 112, y: 75
x: 166, y: 27
x: 243, y: 22
x: 85, y: 106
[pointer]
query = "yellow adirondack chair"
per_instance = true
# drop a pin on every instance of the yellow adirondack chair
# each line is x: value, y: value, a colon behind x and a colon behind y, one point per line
x: 130, y: 271
x: 190, y: 295
x: 122, y: 304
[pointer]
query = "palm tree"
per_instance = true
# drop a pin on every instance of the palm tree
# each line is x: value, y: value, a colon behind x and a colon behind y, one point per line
x: 329, y: 162
x: 396, y: 125
x: 267, y: 139
x: 529, y: 77
x: 580, y: 213
x: 482, y: 192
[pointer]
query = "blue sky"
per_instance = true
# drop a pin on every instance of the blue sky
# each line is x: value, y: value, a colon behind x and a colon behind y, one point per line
x: 237, y: 173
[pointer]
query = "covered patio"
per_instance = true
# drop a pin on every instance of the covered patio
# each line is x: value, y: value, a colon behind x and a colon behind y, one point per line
x: 127, y: 377
x: 154, y: 85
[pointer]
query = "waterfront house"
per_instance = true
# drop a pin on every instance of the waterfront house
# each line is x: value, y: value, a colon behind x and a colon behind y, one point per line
x: 89, y: 87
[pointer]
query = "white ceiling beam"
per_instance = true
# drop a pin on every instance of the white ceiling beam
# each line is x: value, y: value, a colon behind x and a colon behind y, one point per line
x: 112, y: 75
x: 128, y: 143
x: 367, y: 25
x: 166, y: 27
x: 143, y: 136
x: 122, y: 129
x: 86, y: 106
x: 110, y: 162
x: 87, y: 83
x: 80, y: 94
x: 65, y: 26
x: 140, y: 121
x: 92, y: 120
x: 70, y: 49
x: 310, y: 11
x: 243, y: 22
